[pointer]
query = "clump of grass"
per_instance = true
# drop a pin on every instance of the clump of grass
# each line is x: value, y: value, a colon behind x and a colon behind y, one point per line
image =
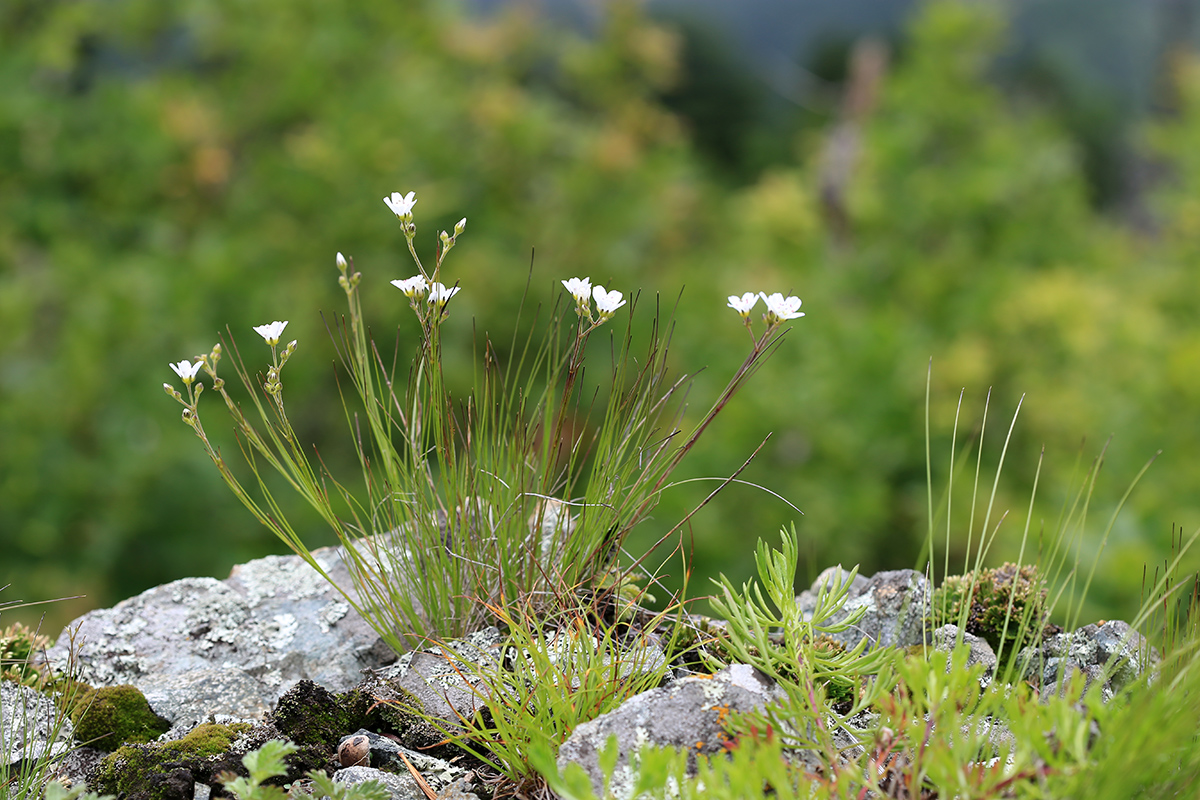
x: 531, y: 480
x: 556, y: 671
x: 34, y: 762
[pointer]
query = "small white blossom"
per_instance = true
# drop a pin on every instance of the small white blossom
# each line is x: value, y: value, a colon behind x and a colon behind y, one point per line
x: 580, y: 289
x: 186, y: 370
x: 415, y: 286
x: 271, y: 332
x: 780, y: 308
x: 440, y: 295
x: 743, y: 304
x: 607, y: 302
x: 402, y: 204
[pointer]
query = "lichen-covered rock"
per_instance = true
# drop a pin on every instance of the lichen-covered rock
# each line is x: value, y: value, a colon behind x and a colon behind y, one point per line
x: 238, y: 643
x: 401, y: 785
x: 895, y: 604
x: 31, y: 727
x: 946, y: 638
x: 690, y: 714
x: 1111, y: 652
x: 443, y: 681
x: 111, y: 716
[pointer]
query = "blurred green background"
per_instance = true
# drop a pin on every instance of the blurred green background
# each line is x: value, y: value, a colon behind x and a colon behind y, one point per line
x: 168, y: 167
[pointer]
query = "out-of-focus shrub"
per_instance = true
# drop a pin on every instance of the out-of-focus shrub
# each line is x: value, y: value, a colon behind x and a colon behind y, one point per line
x: 170, y: 167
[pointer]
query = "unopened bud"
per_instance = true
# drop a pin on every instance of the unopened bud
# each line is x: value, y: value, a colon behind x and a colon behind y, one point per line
x: 189, y: 417
x: 461, y: 226
x: 291, y: 348
x: 445, y: 237
x: 218, y: 384
x: 342, y: 282
x: 272, y: 376
x: 170, y: 390
x: 341, y: 263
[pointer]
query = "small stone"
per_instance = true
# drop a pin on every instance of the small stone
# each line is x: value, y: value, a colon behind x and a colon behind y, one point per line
x: 355, y: 751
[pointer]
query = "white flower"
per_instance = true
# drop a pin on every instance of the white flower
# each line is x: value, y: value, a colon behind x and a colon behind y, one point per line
x: 580, y: 289
x: 607, y: 302
x: 186, y: 370
x: 440, y: 295
x: 780, y: 308
x: 743, y: 304
x: 271, y: 332
x: 415, y: 286
x: 402, y: 204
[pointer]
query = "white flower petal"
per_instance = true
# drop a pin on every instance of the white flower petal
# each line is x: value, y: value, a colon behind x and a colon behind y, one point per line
x: 187, y: 370
x: 607, y: 302
x: 271, y: 331
x: 401, y: 204
x: 415, y: 286
x: 440, y: 295
x: 580, y: 289
x: 743, y: 304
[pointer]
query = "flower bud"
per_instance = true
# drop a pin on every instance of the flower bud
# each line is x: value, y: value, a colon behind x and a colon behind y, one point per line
x: 445, y: 237
x: 342, y: 282
x: 218, y: 384
x: 461, y: 226
x: 189, y: 417
x: 341, y: 263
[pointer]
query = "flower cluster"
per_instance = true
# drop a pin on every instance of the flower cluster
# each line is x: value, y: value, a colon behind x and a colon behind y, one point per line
x: 779, y: 308
x: 607, y: 302
x: 419, y: 285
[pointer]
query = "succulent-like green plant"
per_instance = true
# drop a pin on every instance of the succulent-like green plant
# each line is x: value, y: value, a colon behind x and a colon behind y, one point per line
x: 18, y: 645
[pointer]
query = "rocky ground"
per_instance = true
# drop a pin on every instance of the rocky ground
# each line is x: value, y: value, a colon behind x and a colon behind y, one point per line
x: 274, y: 651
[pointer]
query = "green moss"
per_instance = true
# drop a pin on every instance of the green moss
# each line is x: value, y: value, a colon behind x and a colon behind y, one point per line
x: 144, y: 769
x: 986, y: 606
x: 111, y: 716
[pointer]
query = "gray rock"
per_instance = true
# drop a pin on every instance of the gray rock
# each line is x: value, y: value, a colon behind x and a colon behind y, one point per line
x: 826, y: 580
x: 200, y: 646
x: 402, y: 786
x: 979, y: 651
x: 1111, y: 652
x: 895, y: 603
x: 689, y: 714
x: 31, y: 727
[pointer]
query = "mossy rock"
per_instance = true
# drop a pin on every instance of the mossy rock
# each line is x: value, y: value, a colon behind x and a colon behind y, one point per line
x: 168, y: 770
x: 309, y: 714
x: 111, y: 716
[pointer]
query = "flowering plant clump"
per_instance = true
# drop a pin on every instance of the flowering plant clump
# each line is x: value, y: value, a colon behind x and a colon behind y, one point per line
x: 465, y: 504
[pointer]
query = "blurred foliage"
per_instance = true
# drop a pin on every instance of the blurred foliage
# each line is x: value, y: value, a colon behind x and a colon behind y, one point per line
x: 173, y: 166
